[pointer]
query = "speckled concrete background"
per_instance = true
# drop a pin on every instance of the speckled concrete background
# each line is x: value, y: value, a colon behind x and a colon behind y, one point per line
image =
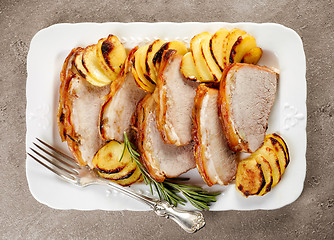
x: 310, y: 217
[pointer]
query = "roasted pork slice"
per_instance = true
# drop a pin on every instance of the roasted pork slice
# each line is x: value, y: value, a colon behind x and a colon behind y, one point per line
x: 215, y: 161
x: 78, y: 113
x: 161, y: 160
x: 84, y: 104
x: 116, y: 112
x: 66, y: 73
x: 175, y: 101
x: 246, y: 96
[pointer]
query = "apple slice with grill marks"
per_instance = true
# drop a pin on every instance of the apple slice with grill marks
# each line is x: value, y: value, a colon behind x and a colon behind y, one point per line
x: 93, y: 66
x: 229, y: 42
x: 111, y: 54
x: 282, y: 151
x: 267, y: 172
x: 180, y: 48
x: 83, y: 72
x: 271, y: 159
x: 137, y: 71
x: 153, y: 48
x: 108, y: 71
x: 132, y: 177
x: 216, y: 46
x: 199, y: 59
x: 243, y: 45
x: 211, y: 63
x: 114, y: 164
x: 188, y: 68
x: 250, y: 177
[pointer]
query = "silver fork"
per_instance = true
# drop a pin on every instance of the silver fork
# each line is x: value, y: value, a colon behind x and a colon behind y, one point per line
x: 67, y: 168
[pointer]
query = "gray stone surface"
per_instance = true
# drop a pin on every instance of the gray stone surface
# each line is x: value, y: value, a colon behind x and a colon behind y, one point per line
x: 310, y: 217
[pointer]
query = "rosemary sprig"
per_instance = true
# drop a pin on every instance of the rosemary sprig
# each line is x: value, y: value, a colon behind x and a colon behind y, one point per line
x: 169, y: 189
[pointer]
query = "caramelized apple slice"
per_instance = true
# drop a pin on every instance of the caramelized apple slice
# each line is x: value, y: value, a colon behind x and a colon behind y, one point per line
x: 110, y: 163
x: 243, y: 45
x: 214, y: 68
x: 229, y: 42
x: 188, y: 68
x: 270, y: 155
x: 83, y: 72
x: 112, y: 51
x: 104, y: 66
x: 281, y: 151
x: 249, y: 178
x: 92, y: 65
x: 138, y: 73
x: 180, y: 48
x: 216, y: 46
x: 198, y: 56
x: 153, y: 48
x: 252, y: 56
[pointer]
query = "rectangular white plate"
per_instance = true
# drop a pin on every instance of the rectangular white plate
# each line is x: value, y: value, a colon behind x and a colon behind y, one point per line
x: 282, y: 48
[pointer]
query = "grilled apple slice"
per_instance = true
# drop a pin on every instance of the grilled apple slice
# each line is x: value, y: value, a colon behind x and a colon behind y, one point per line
x: 113, y: 53
x: 249, y: 178
x: 188, y: 68
x: 267, y: 173
x: 198, y: 56
x: 83, y: 72
x: 213, y: 66
x: 270, y: 155
x: 216, y: 46
x: 93, y: 66
x: 252, y: 56
x: 137, y: 71
x: 229, y: 42
x: 243, y: 45
x: 108, y: 165
x: 272, y: 158
x: 142, y: 63
x: 180, y: 48
x: 281, y: 150
x: 105, y: 50
x: 132, y: 177
x: 153, y: 48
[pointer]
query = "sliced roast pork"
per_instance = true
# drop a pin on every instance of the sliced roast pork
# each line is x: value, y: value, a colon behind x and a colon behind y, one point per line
x: 116, y: 112
x: 80, y: 104
x: 246, y: 96
x: 162, y: 160
x: 215, y: 161
x: 175, y: 101
x: 65, y: 75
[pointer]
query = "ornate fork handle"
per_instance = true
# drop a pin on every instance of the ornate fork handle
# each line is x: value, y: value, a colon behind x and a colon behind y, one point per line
x: 190, y: 221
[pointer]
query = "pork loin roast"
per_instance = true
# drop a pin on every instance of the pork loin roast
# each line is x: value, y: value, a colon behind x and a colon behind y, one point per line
x: 246, y: 95
x: 175, y: 101
x: 161, y: 160
x: 78, y: 113
x: 116, y: 112
x: 215, y: 161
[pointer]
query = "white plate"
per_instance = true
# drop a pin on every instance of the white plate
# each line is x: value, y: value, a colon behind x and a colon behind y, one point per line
x: 283, y: 49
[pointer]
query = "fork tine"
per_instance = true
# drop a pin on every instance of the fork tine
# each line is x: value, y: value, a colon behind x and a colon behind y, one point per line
x: 71, y: 173
x: 68, y: 166
x: 66, y: 177
x: 71, y: 161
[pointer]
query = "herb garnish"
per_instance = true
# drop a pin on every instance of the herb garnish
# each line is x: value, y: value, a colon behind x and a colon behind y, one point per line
x: 168, y: 189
